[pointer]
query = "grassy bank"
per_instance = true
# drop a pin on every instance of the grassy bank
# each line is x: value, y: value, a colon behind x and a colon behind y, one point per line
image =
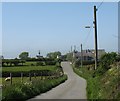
x: 28, y: 90
x: 104, y: 86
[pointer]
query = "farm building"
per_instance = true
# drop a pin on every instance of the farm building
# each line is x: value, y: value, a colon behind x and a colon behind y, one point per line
x: 88, y: 54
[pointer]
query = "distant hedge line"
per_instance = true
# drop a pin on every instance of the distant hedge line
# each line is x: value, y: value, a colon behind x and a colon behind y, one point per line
x: 26, y: 73
x: 39, y: 59
x: 39, y: 62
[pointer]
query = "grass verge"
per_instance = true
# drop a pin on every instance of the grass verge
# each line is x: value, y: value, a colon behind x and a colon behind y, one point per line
x: 101, y: 87
x: 22, y: 92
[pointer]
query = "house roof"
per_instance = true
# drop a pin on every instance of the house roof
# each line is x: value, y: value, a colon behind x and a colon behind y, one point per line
x: 88, y: 52
x: 83, y: 54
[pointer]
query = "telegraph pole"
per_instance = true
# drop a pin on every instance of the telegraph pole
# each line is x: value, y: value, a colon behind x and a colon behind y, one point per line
x: 81, y: 56
x: 71, y: 48
x: 95, y: 25
x: 74, y: 47
x: 39, y: 52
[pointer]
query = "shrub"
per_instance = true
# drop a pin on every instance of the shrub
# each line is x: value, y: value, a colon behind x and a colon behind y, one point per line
x: 105, y: 61
x: 77, y: 63
x: 12, y: 62
x: 12, y: 93
x: 50, y: 62
x: 58, y: 64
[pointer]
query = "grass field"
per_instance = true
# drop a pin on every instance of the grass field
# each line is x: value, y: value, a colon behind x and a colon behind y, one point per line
x: 18, y: 80
x: 24, y: 68
x: 23, y: 88
x: 30, y: 63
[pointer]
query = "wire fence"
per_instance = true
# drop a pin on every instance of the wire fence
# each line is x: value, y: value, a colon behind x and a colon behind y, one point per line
x: 30, y: 78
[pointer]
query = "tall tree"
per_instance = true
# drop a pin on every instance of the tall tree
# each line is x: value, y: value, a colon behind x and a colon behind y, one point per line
x: 54, y: 55
x: 24, y: 55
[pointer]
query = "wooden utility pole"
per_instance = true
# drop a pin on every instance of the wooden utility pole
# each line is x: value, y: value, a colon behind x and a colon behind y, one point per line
x: 71, y: 48
x: 22, y: 77
x: 95, y: 25
x: 81, y: 56
x: 30, y: 76
x: 74, y: 47
x: 11, y: 78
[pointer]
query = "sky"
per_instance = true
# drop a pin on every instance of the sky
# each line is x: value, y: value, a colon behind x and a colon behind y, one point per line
x: 59, y: 0
x: 51, y: 26
x: 0, y: 28
x: 119, y: 28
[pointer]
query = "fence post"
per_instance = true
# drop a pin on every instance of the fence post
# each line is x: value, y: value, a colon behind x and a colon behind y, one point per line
x: 30, y: 76
x: 41, y: 75
x: 22, y: 77
x: 49, y: 75
x: 35, y: 75
x: 11, y: 78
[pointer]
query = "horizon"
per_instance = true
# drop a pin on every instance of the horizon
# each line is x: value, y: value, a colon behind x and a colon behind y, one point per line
x: 53, y: 51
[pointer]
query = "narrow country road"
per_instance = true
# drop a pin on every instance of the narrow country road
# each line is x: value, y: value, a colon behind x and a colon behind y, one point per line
x: 73, y: 88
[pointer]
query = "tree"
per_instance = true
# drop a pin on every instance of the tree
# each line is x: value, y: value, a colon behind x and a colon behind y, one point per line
x: 118, y: 58
x: 24, y: 55
x: 53, y: 55
x: 105, y: 61
x: 108, y: 59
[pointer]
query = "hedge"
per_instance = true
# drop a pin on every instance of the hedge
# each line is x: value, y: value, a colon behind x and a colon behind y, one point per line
x: 26, y: 73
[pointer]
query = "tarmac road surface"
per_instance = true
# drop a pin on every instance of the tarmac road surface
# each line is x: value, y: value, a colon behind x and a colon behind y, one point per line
x: 73, y: 88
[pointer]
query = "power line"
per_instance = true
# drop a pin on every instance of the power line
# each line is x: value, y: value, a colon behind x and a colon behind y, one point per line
x: 116, y: 36
x: 100, y: 5
x: 84, y: 43
x: 91, y: 26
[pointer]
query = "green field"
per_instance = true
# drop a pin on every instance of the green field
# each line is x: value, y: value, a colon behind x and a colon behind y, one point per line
x: 24, y: 88
x: 30, y: 63
x: 29, y: 68
x: 18, y: 80
x: 24, y: 68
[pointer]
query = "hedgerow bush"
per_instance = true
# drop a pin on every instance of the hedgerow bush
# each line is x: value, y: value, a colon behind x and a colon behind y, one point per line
x: 26, y: 73
x: 77, y: 63
x: 12, y: 92
x: 50, y: 62
x: 104, y: 64
x: 12, y: 62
